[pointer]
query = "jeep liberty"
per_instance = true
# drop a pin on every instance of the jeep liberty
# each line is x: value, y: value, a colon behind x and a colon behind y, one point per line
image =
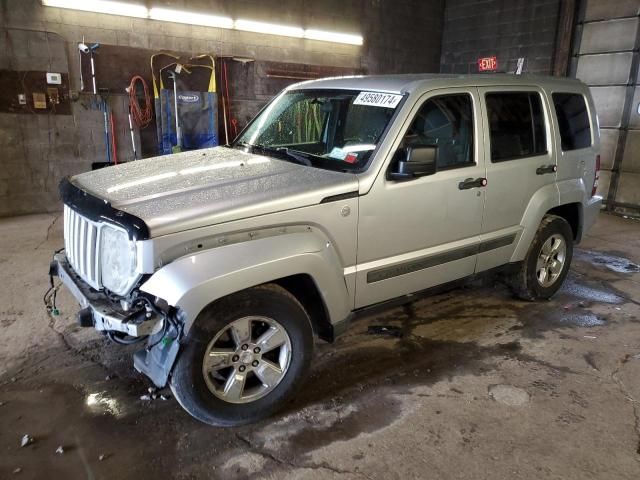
x: 342, y: 193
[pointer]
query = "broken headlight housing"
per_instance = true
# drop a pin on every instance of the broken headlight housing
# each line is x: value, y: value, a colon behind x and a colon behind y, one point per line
x: 117, y: 260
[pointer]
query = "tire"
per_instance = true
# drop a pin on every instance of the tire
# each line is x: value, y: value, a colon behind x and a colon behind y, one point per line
x: 526, y: 283
x: 210, y: 398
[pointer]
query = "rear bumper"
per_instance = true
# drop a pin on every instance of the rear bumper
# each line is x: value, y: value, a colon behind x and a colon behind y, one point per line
x: 590, y: 213
x: 105, y: 316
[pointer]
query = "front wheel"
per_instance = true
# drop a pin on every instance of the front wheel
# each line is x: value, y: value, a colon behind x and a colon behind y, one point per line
x: 244, y: 356
x: 547, y: 262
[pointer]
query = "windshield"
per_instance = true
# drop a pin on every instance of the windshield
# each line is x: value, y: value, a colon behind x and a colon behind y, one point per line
x: 333, y: 129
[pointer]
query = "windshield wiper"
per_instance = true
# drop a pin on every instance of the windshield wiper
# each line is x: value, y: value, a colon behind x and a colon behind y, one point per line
x: 298, y: 157
x: 244, y: 145
x: 282, y: 152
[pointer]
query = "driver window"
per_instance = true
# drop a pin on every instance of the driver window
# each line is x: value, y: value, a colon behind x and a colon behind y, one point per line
x: 446, y: 122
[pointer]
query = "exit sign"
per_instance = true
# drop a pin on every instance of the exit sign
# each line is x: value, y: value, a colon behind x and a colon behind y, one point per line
x: 488, y: 64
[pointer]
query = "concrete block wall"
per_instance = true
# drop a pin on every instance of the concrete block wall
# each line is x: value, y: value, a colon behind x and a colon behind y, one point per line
x: 508, y: 29
x: 38, y: 150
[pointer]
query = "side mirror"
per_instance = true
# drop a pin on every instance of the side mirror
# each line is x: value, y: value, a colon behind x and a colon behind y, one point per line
x: 415, y: 161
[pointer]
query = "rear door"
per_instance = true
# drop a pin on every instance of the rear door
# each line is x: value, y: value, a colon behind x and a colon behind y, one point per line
x: 521, y: 166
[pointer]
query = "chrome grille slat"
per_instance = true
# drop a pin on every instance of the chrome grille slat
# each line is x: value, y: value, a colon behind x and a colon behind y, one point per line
x: 66, y: 228
x: 67, y: 235
x: 90, y: 253
x: 81, y: 254
x: 74, y: 239
x: 71, y: 246
x: 81, y: 238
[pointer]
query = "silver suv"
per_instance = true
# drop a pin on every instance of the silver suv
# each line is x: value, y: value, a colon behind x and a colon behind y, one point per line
x: 342, y: 193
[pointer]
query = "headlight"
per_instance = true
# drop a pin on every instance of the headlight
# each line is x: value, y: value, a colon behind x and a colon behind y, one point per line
x: 117, y: 260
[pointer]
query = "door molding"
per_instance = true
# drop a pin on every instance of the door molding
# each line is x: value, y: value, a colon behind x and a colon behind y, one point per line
x: 438, y: 259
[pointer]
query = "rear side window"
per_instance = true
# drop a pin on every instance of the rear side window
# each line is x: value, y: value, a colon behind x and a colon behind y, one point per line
x: 516, y: 125
x: 573, y: 121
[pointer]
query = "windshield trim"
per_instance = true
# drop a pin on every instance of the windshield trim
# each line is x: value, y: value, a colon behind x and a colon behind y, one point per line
x: 320, y: 161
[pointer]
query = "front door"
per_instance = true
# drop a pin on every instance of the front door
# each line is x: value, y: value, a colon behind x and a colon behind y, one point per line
x: 415, y: 234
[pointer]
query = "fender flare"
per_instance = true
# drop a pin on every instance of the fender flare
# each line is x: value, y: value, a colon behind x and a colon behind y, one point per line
x: 540, y: 203
x: 575, y: 191
x: 192, y: 282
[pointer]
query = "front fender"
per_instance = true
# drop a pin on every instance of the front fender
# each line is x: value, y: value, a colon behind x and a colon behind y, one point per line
x: 194, y: 281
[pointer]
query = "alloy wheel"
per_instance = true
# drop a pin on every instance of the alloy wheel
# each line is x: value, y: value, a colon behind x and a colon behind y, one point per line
x: 551, y: 260
x: 247, y: 359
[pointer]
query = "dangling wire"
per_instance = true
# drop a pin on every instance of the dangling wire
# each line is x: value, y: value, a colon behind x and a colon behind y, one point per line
x: 49, y: 298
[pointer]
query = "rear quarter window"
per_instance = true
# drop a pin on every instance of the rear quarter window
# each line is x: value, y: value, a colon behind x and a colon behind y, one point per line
x: 573, y: 121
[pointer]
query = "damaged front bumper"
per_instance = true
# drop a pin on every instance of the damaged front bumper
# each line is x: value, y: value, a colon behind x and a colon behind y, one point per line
x: 98, y: 311
x: 157, y: 359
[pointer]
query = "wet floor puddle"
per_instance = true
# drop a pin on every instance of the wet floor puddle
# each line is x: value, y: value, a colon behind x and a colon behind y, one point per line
x: 612, y: 262
x: 588, y: 293
x: 583, y: 319
x: 102, y: 402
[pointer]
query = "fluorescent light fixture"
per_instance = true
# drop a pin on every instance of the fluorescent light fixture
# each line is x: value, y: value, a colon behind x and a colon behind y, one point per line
x: 180, y: 16
x: 101, y: 6
x: 333, y: 37
x: 269, y: 28
x: 127, y: 9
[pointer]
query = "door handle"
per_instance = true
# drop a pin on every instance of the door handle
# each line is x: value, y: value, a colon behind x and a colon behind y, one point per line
x: 472, y: 183
x: 544, y: 169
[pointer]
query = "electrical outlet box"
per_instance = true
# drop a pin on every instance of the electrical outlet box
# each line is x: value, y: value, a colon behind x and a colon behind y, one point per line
x: 54, y: 96
x: 22, y: 99
x: 54, y: 78
x: 39, y: 100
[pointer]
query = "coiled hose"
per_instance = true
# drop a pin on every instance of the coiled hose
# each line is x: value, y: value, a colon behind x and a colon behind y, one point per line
x: 142, y: 116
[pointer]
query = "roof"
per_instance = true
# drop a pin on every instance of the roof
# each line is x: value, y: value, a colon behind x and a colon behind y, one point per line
x: 410, y: 82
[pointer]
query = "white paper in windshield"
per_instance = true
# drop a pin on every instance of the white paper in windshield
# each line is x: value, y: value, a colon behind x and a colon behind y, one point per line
x: 376, y: 99
x: 338, y: 153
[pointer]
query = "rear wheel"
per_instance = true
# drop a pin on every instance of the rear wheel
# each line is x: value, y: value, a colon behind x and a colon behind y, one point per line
x: 243, y: 357
x: 547, y: 262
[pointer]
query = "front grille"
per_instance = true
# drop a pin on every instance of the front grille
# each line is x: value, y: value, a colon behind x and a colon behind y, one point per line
x: 81, y: 237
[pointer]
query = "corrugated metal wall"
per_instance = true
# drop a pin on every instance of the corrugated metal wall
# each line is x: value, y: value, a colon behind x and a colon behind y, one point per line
x: 606, y: 58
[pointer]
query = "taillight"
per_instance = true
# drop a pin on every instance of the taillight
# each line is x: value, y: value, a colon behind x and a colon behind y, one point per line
x: 596, y: 177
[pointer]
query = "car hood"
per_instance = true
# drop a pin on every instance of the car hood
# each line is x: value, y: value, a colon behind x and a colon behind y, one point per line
x: 204, y: 187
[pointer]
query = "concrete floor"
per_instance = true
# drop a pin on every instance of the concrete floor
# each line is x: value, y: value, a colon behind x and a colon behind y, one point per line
x: 479, y: 386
